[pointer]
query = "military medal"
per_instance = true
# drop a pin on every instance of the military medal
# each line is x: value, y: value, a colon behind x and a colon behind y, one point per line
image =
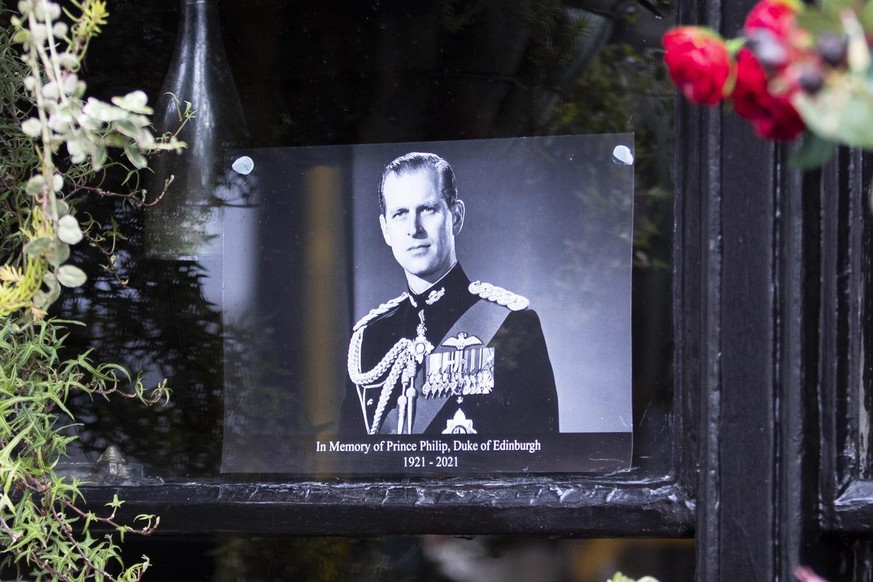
x: 420, y: 347
x: 466, y: 370
x: 459, y: 424
x: 464, y: 366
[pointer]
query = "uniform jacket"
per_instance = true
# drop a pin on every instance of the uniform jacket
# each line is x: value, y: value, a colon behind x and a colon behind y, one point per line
x: 523, y: 398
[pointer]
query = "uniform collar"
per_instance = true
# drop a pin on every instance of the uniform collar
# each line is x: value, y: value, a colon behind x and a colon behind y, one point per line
x: 453, y: 282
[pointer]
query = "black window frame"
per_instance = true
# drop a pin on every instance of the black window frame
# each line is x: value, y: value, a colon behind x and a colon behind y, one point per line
x: 565, y: 504
x: 768, y: 285
x: 846, y: 484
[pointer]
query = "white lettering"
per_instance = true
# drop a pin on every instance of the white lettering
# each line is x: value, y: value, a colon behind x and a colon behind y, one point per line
x: 341, y: 447
x: 515, y: 445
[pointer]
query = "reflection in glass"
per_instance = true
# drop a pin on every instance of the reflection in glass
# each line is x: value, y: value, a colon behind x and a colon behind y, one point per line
x: 413, y: 559
x: 338, y: 73
x: 182, y: 225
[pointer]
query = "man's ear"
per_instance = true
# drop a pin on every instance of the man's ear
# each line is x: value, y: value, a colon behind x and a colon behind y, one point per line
x: 457, y: 211
x: 384, y: 226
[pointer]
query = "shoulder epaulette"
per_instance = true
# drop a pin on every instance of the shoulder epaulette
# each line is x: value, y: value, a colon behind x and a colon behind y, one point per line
x: 381, y: 310
x: 499, y: 295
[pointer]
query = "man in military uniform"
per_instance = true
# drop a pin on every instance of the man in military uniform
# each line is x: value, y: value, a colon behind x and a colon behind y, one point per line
x: 447, y: 356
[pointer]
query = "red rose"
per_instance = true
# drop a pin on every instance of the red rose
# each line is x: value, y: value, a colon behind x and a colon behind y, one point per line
x: 782, y: 124
x: 771, y: 116
x: 777, y: 16
x: 698, y: 62
x: 750, y: 95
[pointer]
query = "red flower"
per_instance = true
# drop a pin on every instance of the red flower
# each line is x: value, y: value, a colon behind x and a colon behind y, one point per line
x: 771, y: 116
x: 777, y: 16
x: 698, y: 63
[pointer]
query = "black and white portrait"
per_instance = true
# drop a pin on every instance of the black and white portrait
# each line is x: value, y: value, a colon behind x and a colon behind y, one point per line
x: 379, y: 301
x: 448, y: 355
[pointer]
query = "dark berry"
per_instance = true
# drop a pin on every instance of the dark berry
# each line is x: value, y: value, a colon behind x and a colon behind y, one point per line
x: 769, y: 50
x: 810, y: 80
x: 833, y: 49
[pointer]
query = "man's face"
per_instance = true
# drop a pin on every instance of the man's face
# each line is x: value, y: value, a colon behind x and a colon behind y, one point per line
x: 419, y: 226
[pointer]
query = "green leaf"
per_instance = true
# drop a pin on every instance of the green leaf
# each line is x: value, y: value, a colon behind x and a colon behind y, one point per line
x: 21, y: 36
x: 841, y: 112
x: 38, y: 246
x: 59, y: 209
x: 32, y: 127
x: 98, y: 160
x: 54, y: 290
x: 100, y: 111
x: 66, y: 60
x: 76, y: 149
x: 866, y: 16
x: 836, y: 6
x: 136, y: 158
x: 818, y: 22
x: 58, y: 254
x: 136, y: 101
x: 35, y: 185
x: 126, y: 127
x: 50, y: 280
x: 814, y: 152
x: 68, y: 229
x: 71, y: 276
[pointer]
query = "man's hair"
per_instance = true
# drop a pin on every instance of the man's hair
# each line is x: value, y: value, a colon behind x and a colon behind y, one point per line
x: 416, y: 161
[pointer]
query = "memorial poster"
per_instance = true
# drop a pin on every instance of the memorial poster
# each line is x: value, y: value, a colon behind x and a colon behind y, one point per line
x: 435, y: 308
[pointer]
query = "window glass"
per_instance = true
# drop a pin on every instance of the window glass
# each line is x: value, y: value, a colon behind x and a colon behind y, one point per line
x: 413, y: 558
x: 335, y: 73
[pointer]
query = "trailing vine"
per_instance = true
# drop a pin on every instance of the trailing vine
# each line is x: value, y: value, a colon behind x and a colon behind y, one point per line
x: 42, y: 529
x: 59, y: 120
x: 55, y: 143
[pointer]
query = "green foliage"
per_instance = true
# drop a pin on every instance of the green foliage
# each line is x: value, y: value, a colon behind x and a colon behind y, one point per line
x: 625, y: 90
x: 53, y: 142
x: 59, y: 120
x: 813, y: 153
x: 842, y: 110
x: 41, y: 528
